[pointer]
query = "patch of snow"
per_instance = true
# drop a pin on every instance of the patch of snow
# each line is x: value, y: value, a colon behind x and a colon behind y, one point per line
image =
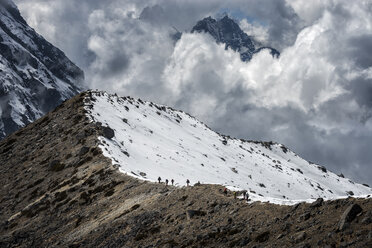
x: 17, y: 109
x: 153, y: 140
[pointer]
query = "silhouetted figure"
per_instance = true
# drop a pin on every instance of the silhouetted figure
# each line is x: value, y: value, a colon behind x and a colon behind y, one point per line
x: 187, y: 182
x: 166, y: 182
x: 159, y: 179
x: 172, y: 181
x: 225, y: 191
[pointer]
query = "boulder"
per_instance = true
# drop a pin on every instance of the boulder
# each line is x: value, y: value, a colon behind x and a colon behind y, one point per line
x: 348, y: 216
x: 299, y: 237
x: 56, y: 165
x: 84, y: 198
x: 350, y: 192
x: 304, y: 217
x: 262, y: 237
x: 83, y: 150
x: 294, y: 208
x: 192, y: 213
x: 108, y: 132
x: 317, y: 203
x: 60, y: 196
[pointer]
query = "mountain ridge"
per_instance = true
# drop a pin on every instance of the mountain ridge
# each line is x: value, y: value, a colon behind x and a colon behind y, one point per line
x: 59, y: 190
x: 35, y: 75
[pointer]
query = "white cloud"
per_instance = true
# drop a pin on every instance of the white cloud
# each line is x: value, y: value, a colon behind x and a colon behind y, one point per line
x: 310, y: 11
x: 300, y: 77
x: 259, y: 32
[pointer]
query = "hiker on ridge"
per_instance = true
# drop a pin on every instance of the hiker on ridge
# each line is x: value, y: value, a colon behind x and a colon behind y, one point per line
x: 159, y: 179
x: 172, y: 181
x: 166, y: 182
x: 187, y: 182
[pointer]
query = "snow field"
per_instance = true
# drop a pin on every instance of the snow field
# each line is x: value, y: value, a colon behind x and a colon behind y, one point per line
x: 153, y: 140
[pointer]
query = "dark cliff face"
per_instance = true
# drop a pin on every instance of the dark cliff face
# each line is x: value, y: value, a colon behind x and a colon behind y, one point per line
x: 227, y: 31
x: 35, y: 76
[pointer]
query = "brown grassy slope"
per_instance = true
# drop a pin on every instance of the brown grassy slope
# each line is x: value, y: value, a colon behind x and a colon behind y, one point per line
x: 59, y: 191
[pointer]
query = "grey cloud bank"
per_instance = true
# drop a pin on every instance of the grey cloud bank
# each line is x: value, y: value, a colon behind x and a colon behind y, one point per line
x: 316, y: 98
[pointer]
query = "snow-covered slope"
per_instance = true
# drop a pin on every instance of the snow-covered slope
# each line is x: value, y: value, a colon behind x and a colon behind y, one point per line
x: 35, y: 76
x: 227, y: 31
x: 151, y: 140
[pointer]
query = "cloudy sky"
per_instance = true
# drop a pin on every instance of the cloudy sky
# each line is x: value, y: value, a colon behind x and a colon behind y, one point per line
x: 316, y: 98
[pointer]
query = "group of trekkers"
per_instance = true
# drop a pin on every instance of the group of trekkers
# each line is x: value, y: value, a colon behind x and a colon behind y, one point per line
x: 172, y: 181
x: 245, y: 193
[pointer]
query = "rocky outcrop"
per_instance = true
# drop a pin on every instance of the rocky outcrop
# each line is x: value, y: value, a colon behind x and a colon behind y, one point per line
x: 193, y: 213
x: 348, y: 216
x: 108, y: 133
x: 317, y: 203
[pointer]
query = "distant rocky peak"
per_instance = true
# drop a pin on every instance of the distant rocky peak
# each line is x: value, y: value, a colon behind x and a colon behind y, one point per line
x: 230, y: 23
x: 227, y: 31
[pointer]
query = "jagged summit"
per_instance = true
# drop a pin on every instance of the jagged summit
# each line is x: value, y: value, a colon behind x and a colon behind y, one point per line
x: 35, y: 76
x: 228, y: 32
x: 225, y: 31
x: 149, y: 140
